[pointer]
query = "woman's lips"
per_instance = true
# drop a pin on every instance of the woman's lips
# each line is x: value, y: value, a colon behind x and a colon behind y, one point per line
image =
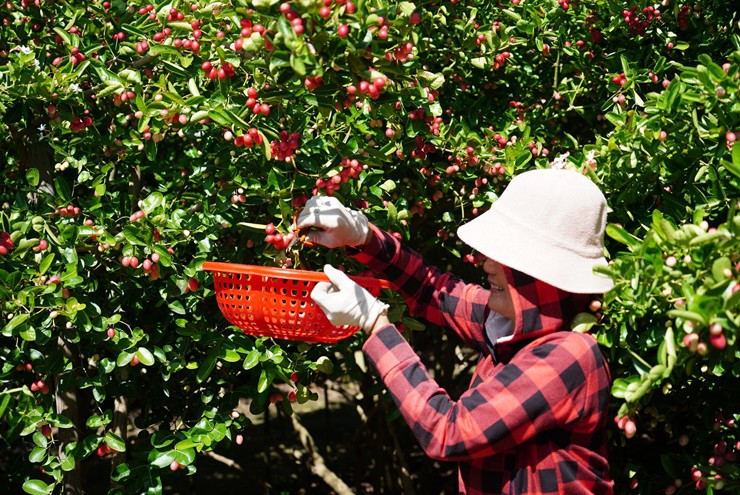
x: 495, y: 286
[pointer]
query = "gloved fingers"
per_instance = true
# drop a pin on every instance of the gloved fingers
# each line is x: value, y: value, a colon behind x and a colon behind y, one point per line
x: 321, y: 294
x: 306, y: 218
x: 320, y: 237
x: 339, y: 278
x: 318, y: 200
x: 316, y: 216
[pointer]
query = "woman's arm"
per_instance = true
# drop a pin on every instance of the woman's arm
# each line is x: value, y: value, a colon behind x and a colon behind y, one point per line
x: 559, y: 381
x: 439, y: 298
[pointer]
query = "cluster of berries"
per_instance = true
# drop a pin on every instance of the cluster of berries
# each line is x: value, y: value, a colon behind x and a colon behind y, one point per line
x: 256, y: 106
x: 277, y: 239
x: 284, y: 148
x: 249, y: 139
x: 6, y: 243
x: 78, y: 124
x: 638, y: 21
x: 351, y: 169
x: 293, y: 16
x: 212, y: 72
x: 370, y: 88
x: 68, y: 211
x: 422, y: 149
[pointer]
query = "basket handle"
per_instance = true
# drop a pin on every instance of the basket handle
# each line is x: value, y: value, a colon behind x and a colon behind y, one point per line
x: 290, y: 273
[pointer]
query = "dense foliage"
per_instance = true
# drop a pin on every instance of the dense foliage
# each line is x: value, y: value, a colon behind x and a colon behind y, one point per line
x: 139, y: 140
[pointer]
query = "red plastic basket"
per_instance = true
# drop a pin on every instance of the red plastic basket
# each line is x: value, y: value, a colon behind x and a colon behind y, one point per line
x: 276, y: 302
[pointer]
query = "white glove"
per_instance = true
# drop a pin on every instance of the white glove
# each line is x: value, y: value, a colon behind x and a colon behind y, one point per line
x: 339, y: 225
x: 346, y: 303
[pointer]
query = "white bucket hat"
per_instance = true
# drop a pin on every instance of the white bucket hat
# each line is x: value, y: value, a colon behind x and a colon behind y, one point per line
x: 549, y: 224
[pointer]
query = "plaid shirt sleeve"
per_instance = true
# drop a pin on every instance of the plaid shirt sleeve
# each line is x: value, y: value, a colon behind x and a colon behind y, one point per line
x: 557, y: 381
x: 439, y: 298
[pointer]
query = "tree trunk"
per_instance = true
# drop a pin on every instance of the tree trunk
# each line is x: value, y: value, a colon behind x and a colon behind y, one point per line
x: 35, y: 155
x: 67, y: 405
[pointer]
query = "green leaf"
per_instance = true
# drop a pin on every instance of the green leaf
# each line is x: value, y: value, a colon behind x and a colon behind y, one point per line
x: 115, y: 442
x: 251, y: 360
x: 187, y: 444
x: 32, y: 176
x: 98, y: 421
x: 622, y: 386
x: 206, y: 367
x: 37, y: 455
x: 62, y: 188
x: 230, y: 356
x: 121, y: 472
x: 46, y: 263
x: 298, y: 64
x: 218, y: 116
x: 151, y: 202
x: 68, y: 464
x: 164, y: 459
x: 583, y: 322
x: 734, y: 165
x: 325, y: 365
x: 134, y: 235
x: 4, y: 403
x: 175, y: 69
x: 193, y: 87
x: 619, y: 234
x: 145, y: 356
x: 719, y: 267
x: 703, y: 76
x: 17, y: 320
x: 264, y: 381
x: 40, y: 440
x: 165, y: 258
x: 687, y: 315
x: 124, y: 358
x: 37, y: 487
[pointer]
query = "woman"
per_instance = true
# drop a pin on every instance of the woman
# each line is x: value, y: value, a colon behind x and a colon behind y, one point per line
x: 533, y: 418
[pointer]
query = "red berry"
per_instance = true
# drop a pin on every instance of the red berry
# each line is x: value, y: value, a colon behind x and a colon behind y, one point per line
x: 718, y: 341
x: 630, y: 428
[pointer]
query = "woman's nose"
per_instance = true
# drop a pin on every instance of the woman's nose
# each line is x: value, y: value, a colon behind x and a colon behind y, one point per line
x: 489, y: 265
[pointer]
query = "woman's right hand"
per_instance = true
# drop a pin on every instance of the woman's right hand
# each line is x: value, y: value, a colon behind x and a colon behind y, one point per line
x: 338, y: 225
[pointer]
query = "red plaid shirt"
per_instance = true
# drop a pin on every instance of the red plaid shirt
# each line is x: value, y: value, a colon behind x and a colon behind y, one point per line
x: 532, y: 420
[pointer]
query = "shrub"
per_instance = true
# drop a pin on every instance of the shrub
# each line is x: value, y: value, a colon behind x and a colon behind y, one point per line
x: 141, y: 140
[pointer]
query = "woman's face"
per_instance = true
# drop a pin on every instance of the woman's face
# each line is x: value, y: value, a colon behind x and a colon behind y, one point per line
x: 500, y: 298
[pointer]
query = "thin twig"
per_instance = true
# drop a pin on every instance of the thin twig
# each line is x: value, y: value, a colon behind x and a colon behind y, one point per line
x: 225, y: 460
x: 318, y: 466
x: 235, y: 465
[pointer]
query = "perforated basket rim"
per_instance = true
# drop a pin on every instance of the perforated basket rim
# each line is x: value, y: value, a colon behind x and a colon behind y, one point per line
x: 288, y: 273
x: 224, y: 272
